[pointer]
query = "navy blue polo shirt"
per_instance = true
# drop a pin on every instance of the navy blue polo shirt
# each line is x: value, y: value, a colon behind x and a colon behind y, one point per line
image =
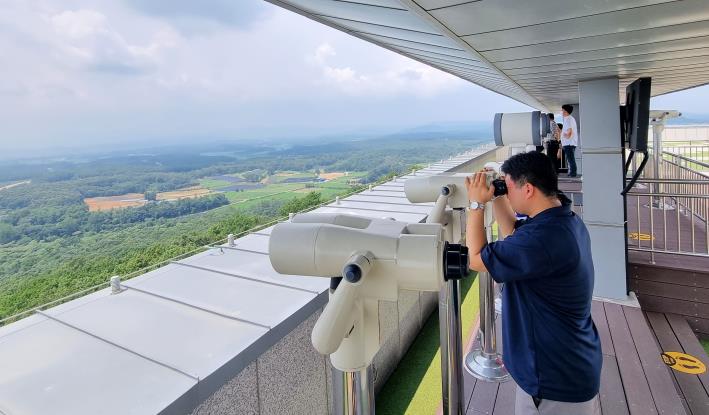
x: 551, y: 346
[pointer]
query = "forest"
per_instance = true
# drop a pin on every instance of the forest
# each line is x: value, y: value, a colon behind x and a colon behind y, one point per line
x: 51, y: 245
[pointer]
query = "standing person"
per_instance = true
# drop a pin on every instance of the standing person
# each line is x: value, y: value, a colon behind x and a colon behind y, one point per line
x: 552, y: 348
x: 569, y: 138
x: 552, y: 141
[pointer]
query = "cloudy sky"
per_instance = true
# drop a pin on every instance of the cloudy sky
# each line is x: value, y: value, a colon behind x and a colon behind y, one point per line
x: 101, y: 72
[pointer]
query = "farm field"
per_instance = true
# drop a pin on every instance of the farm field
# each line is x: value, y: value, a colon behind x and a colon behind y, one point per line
x: 186, y: 193
x: 100, y: 204
x: 333, y: 175
x: 277, y: 190
x: 104, y: 203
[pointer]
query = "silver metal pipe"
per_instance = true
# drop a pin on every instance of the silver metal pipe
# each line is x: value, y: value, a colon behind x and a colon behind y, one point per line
x: 449, y: 313
x: 485, y: 362
x: 664, y: 223
x: 488, y: 338
x: 691, y: 222
x: 449, y: 301
x: 638, y: 217
x: 356, y: 395
x: 450, y: 323
x: 652, y: 229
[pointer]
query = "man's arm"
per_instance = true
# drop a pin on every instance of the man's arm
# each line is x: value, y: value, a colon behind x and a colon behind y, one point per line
x: 475, y: 238
x: 505, y: 216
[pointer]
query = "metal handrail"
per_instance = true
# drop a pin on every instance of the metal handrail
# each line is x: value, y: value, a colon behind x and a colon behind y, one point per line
x: 673, y: 181
x: 687, y: 159
x: 684, y: 206
x: 668, y: 195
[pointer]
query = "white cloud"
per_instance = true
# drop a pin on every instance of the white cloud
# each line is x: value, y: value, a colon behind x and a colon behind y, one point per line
x: 321, y: 54
x: 401, y: 76
x: 97, y: 71
x: 79, y: 24
x: 87, y: 36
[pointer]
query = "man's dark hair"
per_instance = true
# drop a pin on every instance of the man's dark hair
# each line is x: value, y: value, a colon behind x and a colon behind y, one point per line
x: 568, y: 108
x: 550, y: 115
x: 533, y: 168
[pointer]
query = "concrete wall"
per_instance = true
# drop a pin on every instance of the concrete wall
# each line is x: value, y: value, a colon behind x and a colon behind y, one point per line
x: 292, y: 378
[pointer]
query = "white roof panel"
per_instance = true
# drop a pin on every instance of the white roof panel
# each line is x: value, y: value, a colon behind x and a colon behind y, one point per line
x: 375, y: 206
x: 207, y: 341
x: 404, y: 217
x: 508, y: 14
x: 253, y: 266
x: 239, y: 298
x: 50, y: 368
x: 252, y: 242
x: 511, y: 47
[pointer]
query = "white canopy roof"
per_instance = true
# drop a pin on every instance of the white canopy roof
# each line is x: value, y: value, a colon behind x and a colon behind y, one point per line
x: 535, y: 51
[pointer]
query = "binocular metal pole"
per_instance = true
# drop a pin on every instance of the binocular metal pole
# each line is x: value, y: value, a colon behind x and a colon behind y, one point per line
x: 356, y: 392
x: 449, y: 319
x: 485, y: 363
x: 451, y: 348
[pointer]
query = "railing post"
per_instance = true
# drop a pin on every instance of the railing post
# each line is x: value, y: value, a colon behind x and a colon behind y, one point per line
x: 115, y: 284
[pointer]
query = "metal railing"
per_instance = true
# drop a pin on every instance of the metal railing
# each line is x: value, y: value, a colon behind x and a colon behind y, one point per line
x: 680, y: 166
x: 668, y: 222
x: 668, y: 210
x: 695, y: 157
x: 689, y: 181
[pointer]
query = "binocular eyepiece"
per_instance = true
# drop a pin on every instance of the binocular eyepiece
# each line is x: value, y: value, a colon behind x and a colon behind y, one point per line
x: 500, y: 187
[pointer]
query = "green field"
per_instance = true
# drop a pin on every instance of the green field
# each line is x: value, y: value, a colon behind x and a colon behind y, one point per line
x: 213, y: 184
x: 278, y: 191
x: 415, y: 386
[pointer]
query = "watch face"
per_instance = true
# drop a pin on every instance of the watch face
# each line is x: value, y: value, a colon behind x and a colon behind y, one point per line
x: 474, y: 205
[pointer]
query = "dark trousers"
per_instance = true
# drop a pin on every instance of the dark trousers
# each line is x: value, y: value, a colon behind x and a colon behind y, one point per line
x: 571, y: 159
x: 552, y: 149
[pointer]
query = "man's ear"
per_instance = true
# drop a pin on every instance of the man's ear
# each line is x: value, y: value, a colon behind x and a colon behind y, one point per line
x: 529, y: 190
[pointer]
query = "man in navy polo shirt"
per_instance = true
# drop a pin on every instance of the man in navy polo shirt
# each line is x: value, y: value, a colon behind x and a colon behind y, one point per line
x: 551, y: 346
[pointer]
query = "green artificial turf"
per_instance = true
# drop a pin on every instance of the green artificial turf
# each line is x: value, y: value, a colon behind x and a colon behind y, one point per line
x: 415, y: 386
x: 705, y: 345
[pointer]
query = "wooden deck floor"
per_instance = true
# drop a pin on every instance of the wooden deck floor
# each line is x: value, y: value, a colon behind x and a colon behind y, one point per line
x: 634, y: 378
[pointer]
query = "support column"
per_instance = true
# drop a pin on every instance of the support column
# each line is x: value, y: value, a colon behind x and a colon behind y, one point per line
x: 602, y: 184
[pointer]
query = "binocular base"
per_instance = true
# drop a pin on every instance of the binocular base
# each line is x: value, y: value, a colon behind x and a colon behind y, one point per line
x: 487, y: 368
x: 353, y: 392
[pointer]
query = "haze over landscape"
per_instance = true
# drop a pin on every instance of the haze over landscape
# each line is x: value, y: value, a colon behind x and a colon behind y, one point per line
x: 127, y: 73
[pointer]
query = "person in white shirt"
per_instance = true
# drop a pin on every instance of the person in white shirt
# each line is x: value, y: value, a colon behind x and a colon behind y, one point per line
x: 569, y: 137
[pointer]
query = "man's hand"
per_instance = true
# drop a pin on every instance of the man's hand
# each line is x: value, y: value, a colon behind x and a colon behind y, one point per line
x: 477, y: 187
